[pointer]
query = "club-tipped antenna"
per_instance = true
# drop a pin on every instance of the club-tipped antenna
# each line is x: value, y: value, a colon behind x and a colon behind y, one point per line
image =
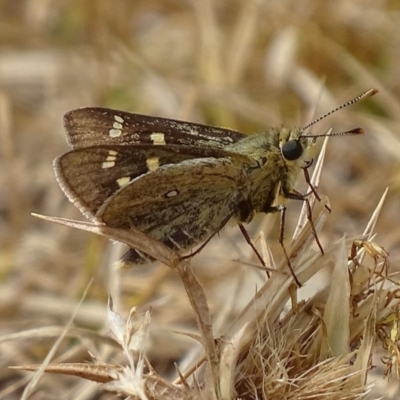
x: 368, y: 93
x: 355, y: 131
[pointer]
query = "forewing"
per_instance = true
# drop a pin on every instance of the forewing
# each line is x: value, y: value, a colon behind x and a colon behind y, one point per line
x: 92, y: 126
x: 180, y: 205
x: 89, y: 176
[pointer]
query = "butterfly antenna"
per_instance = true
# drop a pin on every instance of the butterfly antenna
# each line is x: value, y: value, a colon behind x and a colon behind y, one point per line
x: 368, y: 93
x: 355, y: 131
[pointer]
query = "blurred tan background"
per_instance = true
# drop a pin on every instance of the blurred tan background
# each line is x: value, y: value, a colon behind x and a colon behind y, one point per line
x: 247, y: 65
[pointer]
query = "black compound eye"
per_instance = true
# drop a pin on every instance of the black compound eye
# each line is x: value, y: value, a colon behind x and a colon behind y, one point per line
x: 292, y: 150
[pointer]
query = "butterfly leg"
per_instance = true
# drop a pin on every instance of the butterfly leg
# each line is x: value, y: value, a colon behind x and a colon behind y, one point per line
x: 248, y: 240
x: 312, y: 187
x: 282, y: 210
x: 244, y: 213
x: 298, y: 196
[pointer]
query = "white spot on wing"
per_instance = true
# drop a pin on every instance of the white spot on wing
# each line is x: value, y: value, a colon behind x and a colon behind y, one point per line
x: 117, y: 127
x: 158, y: 138
x: 172, y: 193
x: 153, y: 163
x: 108, y: 164
x: 110, y: 160
x: 114, y: 132
x: 119, y: 119
x: 123, y: 181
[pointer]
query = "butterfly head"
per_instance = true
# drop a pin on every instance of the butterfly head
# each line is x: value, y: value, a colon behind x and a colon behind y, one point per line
x: 297, y: 149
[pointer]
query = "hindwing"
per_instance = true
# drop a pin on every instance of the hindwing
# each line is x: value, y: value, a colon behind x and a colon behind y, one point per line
x: 167, y: 206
